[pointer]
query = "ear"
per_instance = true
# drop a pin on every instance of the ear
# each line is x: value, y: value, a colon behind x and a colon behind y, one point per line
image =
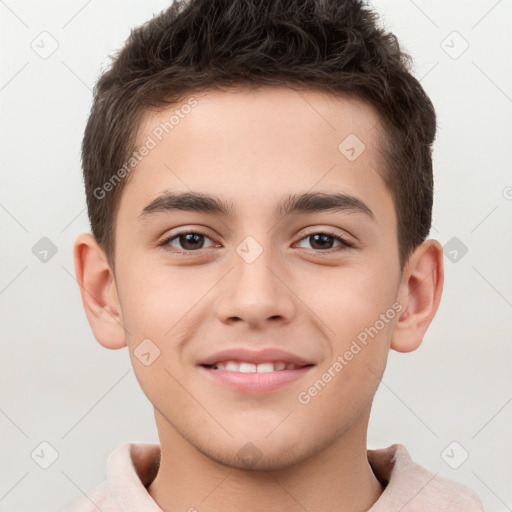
x: 420, y: 293
x: 99, y: 292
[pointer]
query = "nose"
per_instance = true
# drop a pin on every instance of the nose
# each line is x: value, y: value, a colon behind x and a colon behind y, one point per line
x: 256, y: 292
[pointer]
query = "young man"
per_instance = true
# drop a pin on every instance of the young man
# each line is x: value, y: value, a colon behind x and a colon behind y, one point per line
x: 259, y: 185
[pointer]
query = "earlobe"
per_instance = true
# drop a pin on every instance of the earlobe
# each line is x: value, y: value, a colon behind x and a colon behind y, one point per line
x: 99, y: 293
x: 420, y: 294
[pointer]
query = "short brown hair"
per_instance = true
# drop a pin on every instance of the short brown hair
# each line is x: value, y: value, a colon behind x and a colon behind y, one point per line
x: 334, y: 46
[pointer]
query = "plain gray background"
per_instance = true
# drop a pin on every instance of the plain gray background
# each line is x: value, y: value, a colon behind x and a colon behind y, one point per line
x: 448, y: 400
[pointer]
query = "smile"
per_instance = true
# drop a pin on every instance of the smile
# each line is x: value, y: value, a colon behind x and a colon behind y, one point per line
x: 246, y: 367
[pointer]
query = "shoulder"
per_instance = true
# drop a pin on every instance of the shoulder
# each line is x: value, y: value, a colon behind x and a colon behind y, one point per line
x: 98, y: 498
x: 412, y: 488
x: 130, y: 468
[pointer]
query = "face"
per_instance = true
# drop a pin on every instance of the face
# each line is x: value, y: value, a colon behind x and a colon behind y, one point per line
x: 258, y: 234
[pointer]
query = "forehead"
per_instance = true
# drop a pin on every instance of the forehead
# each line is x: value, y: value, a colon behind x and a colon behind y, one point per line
x: 256, y: 145
x: 265, y: 118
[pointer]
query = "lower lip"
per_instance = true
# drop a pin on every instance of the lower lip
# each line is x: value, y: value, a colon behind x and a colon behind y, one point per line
x: 255, y: 382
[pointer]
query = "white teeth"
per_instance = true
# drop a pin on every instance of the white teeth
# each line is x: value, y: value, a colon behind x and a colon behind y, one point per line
x: 235, y: 366
x: 247, y: 368
x: 230, y: 366
x: 265, y: 367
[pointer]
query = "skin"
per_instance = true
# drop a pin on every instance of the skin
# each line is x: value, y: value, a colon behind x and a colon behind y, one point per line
x: 253, y: 148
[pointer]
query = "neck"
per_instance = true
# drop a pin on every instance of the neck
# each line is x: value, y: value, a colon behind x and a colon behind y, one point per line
x: 338, y: 477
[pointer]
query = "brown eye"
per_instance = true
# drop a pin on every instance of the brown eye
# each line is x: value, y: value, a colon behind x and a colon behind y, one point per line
x: 186, y: 241
x: 324, y: 241
x: 321, y: 241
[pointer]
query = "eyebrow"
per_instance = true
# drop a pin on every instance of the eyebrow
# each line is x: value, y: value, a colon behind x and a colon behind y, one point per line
x: 308, y: 202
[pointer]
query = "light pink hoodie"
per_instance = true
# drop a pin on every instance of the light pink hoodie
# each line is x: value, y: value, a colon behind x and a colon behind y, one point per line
x: 408, y: 486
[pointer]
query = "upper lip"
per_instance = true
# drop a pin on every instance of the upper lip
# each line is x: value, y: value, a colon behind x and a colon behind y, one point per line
x: 255, y: 356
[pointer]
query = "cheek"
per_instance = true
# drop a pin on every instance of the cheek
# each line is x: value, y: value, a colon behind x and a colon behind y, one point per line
x: 347, y: 380
x: 360, y: 315
x: 157, y: 300
x: 356, y: 299
x: 162, y: 309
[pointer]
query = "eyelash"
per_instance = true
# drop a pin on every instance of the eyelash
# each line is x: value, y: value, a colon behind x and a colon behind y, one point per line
x: 346, y: 245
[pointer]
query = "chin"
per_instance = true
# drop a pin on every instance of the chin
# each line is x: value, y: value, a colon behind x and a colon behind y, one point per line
x: 251, y: 457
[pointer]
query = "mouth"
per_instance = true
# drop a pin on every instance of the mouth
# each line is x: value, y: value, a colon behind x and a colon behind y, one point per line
x: 247, y: 367
x: 255, y: 372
